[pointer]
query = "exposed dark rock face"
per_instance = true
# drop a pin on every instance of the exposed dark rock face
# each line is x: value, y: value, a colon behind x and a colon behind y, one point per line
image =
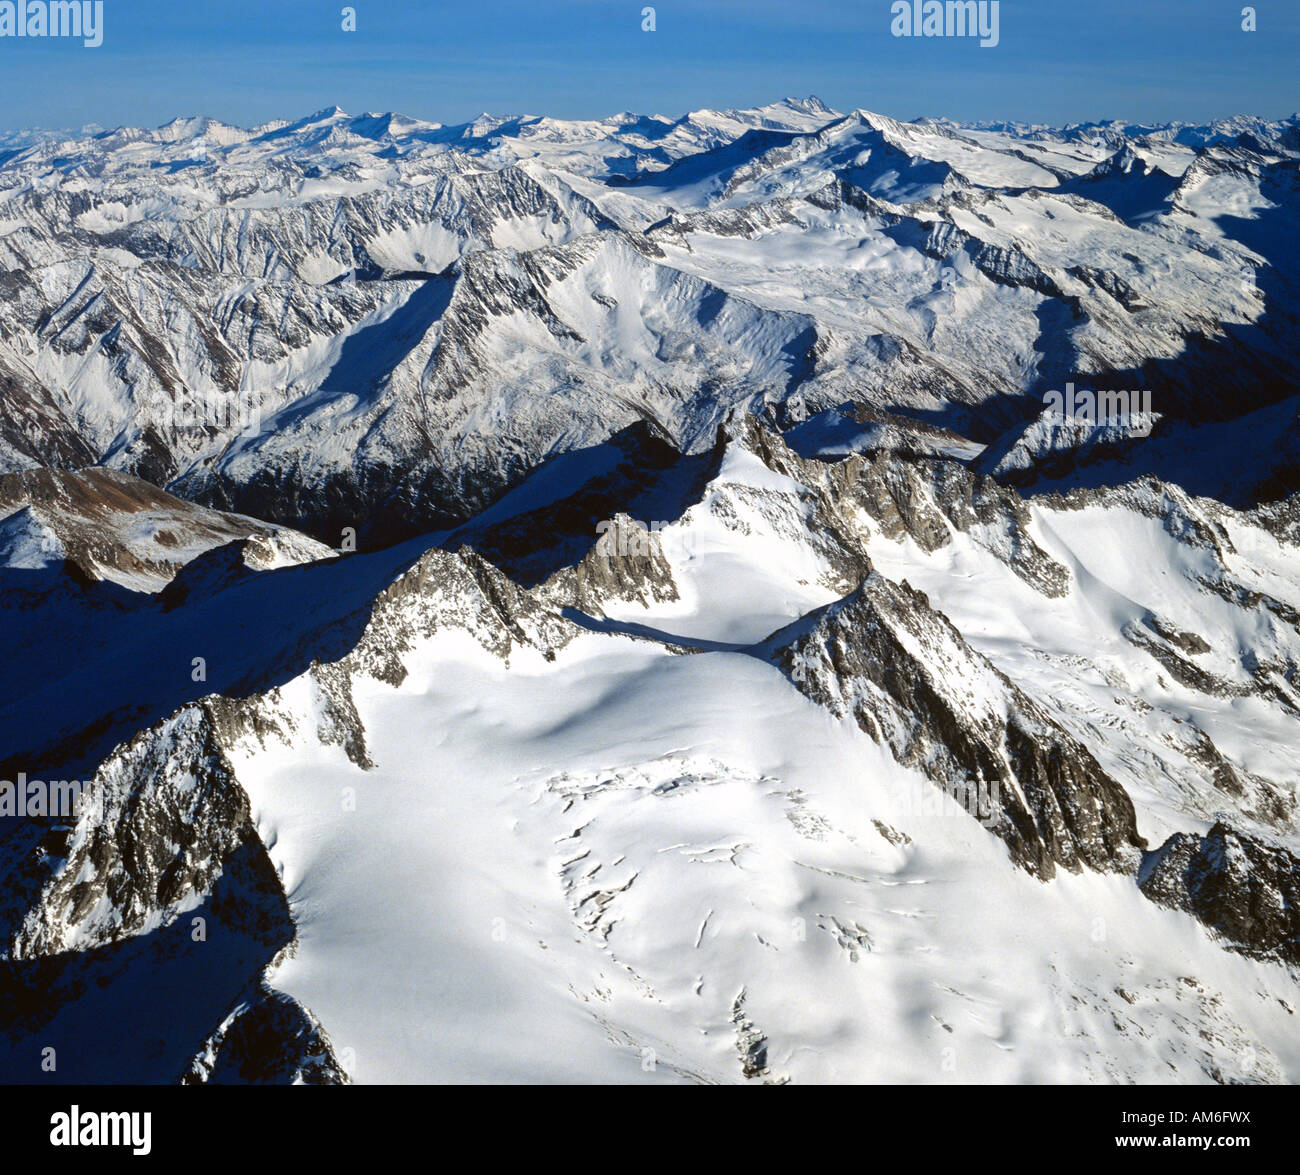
x: 883, y: 656
x: 269, y: 1039
x: 1261, y: 799
x: 626, y: 562
x: 1172, y: 654
x: 1246, y: 891
x: 918, y: 500
x: 925, y: 499
x: 1189, y: 642
x: 174, y: 819
x: 157, y: 891
x: 460, y: 590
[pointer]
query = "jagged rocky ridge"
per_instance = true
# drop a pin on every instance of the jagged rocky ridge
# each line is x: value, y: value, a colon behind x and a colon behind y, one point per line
x: 269, y: 1039
x: 1246, y: 890
x: 152, y: 907
x: 114, y: 897
x: 884, y: 657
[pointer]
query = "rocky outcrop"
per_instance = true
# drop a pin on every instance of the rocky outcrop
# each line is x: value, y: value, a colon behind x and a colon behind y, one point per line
x: 926, y: 499
x: 463, y: 591
x: 222, y: 567
x: 268, y: 1039
x: 883, y: 657
x: 163, y: 819
x: 1245, y: 890
x: 158, y: 881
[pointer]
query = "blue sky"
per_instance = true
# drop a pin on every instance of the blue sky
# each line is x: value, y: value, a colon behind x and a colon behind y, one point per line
x: 246, y: 61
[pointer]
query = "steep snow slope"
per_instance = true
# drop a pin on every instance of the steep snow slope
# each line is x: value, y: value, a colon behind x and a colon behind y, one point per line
x: 721, y: 893
x: 712, y: 874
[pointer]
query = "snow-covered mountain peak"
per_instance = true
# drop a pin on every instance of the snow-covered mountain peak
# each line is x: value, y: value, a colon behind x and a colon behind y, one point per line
x: 642, y: 573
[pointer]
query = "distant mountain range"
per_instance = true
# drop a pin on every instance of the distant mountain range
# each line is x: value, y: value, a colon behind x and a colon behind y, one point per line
x: 422, y: 314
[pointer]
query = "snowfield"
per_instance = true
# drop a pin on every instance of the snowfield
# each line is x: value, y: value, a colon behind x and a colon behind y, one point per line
x: 716, y: 852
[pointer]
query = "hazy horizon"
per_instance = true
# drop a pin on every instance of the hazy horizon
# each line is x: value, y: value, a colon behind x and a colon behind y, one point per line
x: 1155, y: 62
x: 94, y: 127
